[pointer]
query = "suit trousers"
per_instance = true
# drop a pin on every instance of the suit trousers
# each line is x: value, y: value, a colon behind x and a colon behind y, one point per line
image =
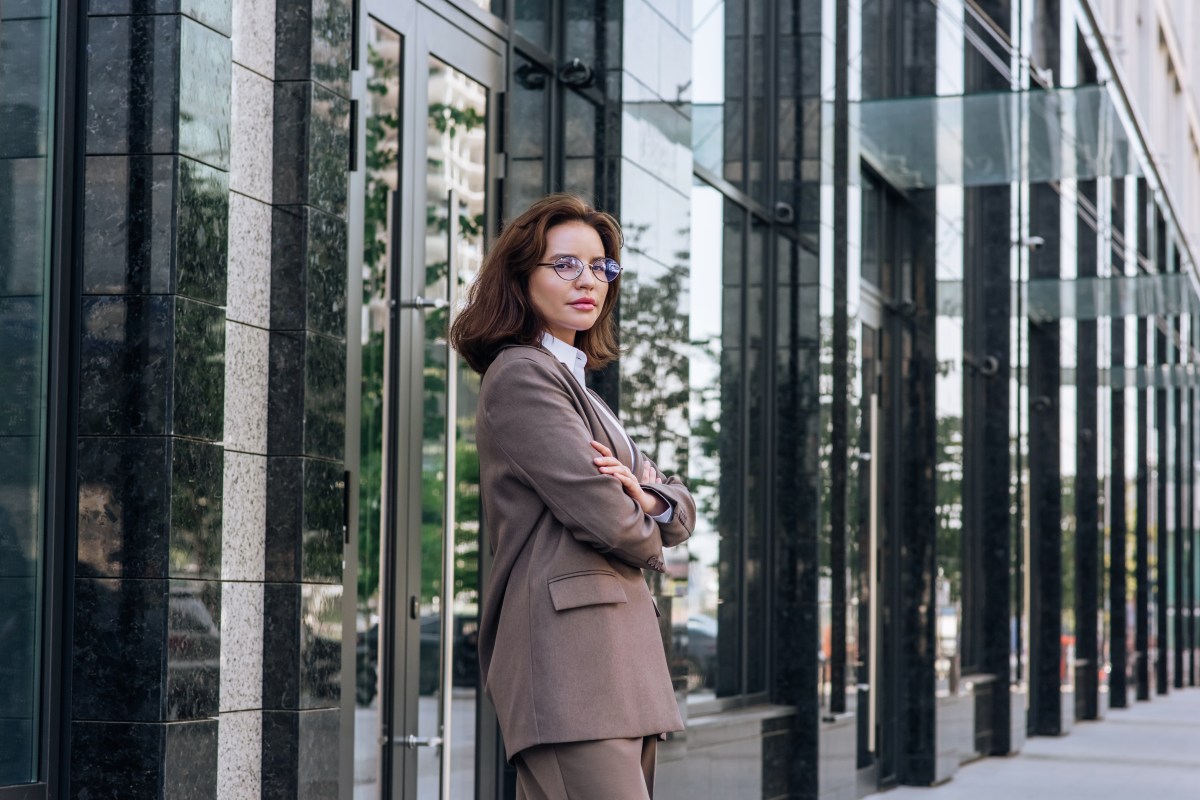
x: 605, y: 769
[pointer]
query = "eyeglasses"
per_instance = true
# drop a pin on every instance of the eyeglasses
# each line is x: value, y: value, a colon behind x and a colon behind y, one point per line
x: 569, y: 268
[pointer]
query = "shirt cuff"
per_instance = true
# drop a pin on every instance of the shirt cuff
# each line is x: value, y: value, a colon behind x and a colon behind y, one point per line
x: 666, y: 516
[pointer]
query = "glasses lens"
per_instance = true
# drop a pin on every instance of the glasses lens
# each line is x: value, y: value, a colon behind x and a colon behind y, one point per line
x: 611, y: 270
x: 568, y: 267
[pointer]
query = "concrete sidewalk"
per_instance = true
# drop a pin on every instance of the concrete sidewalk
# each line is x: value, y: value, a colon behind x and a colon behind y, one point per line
x: 1150, y: 751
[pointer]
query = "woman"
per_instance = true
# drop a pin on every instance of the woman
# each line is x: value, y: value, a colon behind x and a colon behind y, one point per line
x: 569, y: 640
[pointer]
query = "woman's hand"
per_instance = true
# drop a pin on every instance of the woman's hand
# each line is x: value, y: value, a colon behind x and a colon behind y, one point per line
x: 650, y: 502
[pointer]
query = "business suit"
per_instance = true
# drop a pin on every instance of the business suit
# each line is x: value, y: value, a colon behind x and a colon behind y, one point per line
x: 569, y: 639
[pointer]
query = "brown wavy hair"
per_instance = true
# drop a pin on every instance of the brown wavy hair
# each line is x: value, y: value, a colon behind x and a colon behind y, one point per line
x: 498, y: 310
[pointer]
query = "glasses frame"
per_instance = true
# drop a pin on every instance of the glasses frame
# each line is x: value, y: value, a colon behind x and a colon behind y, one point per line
x: 600, y: 272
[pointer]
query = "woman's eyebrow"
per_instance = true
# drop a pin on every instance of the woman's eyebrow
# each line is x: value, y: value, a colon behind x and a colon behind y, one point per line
x: 572, y: 255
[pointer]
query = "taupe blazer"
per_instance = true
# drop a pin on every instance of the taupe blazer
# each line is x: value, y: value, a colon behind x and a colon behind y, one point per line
x: 569, y: 640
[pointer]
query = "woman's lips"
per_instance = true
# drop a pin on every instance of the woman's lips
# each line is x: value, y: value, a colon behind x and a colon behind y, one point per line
x: 583, y: 305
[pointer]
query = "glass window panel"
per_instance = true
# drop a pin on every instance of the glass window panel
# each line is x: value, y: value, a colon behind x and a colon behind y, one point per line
x: 27, y: 35
x: 711, y: 632
x: 734, y: 122
x: 708, y: 83
x: 382, y: 179
x: 456, y: 161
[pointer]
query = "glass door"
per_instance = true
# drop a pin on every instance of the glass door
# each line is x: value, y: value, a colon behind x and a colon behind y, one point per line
x: 428, y: 98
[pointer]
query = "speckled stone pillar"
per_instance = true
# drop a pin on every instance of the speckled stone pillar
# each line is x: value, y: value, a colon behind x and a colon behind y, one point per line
x: 284, y: 412
x: 146, y: 639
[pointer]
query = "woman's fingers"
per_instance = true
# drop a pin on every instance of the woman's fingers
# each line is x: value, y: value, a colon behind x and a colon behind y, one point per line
x: 604, y: 451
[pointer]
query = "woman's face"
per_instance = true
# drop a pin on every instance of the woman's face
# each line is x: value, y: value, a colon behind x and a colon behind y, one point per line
x: 567, y: 307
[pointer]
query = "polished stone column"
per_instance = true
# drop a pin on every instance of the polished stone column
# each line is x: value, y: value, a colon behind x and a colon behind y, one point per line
x: 146, y: 639
x: 987, y: 464
x: 1164, y: 435
x: 1118, y: 554
x: 1088, y: 541
x: 1142, y: 534
x: 1045, y: 481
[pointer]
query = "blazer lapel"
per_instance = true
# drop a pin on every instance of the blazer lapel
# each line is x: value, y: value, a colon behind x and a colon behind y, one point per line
x: 616, y: 442
x: 608, y: 421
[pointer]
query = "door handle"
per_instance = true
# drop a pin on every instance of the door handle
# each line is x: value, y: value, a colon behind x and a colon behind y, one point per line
x: 413, y: 742
x: 424, y: 302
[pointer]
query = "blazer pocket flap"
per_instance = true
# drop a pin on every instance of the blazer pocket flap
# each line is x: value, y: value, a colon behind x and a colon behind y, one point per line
x: 586, y: 589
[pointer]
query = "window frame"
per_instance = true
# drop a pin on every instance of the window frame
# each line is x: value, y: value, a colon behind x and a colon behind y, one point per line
x: 59, y: 501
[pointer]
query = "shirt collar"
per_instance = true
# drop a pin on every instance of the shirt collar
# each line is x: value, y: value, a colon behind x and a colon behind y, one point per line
x: 570, y: 357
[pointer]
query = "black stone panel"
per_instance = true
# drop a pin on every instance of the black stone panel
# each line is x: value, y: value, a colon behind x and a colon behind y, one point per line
x: 301, y: 646
x: 306, y: 395
x: 312, y: 42
x: 21, y: 371
x: 125, y: 365
x: 150, y: 761
x: 124, y: 523
x: 304, y: 520
x: 133, y: 85
x: 198, y: 388
x: 202, y: 232
x: 157, y: 85
x: 146, y: 650
x: 152, y: 365
x: 299, y: 754
x: 308, y: 271
x: 190, y: 760
x: 216, y: 14
x: 311, y: 147
x: 149, y: 507
x: 155, y: 225
x: 129, y: 225
x: 116, y: 760
x: 193, y: 662
x: 205, y: 93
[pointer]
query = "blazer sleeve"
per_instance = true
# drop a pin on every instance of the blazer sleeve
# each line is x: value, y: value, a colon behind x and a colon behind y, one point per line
x: 677, y: 496
x: 533, y: 421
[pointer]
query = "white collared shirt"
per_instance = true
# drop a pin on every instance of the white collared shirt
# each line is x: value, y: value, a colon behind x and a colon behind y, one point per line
x: 574, y: 360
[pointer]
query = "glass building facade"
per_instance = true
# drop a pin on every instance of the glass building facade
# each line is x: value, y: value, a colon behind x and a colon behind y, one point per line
x: 908, y: 301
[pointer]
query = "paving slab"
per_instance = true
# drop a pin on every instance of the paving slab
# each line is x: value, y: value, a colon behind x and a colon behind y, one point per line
x: 1150, y: 751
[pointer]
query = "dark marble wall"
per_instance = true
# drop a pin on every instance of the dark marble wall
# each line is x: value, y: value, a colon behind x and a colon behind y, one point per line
x: 146, y: 632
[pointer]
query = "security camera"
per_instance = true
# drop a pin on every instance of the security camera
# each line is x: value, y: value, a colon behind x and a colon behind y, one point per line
x: 1034, y: 243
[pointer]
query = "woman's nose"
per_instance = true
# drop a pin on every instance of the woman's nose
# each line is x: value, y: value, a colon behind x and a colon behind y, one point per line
x: 587, y: 277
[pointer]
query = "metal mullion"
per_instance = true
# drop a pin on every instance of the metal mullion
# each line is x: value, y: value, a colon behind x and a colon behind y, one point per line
x: 552, y: 179
x: 62, y: 408
x: 743, y: 484
x: 770, y: 338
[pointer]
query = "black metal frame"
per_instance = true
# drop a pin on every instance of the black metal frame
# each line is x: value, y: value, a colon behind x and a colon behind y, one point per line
x: 59, y: 503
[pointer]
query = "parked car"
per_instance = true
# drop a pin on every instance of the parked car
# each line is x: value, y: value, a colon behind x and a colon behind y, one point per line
x: 466, y: 656
x: 694, y: 648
